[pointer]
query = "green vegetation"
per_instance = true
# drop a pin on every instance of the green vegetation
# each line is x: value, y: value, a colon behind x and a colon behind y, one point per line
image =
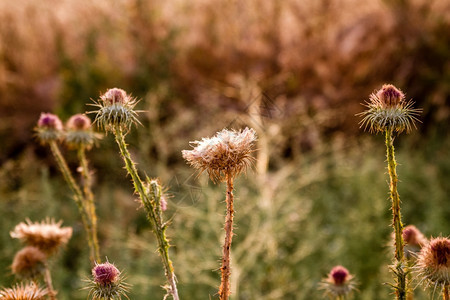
x: 295, y: 71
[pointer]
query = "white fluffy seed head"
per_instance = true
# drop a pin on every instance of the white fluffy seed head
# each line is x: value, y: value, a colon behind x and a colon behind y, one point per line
x: 228, y: 153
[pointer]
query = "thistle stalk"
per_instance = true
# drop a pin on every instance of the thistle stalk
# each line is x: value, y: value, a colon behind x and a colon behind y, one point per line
x: 89, y: 199
x: 224, y: 290
x: 397, y: 218
x: 445, y: 293
x: 79, y: 200
x: 151, y: 208
x: 48, y: 282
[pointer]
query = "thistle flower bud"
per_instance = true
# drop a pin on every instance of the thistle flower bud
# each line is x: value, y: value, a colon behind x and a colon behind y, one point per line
x: 387, y: 109
x: 78, y: 122
x: 106, y: 273
x: 29, y: 291
x: 28, y: 262
x: 414, y: 241
x: 79, y: 132
x: 339, y: 282
x: 390, y: 96
x: 49, y: 128
x: 107, y: 282
x: 48, y: 235
x: 433, y: 263
x: 116, y: 108
x: 227, y: 153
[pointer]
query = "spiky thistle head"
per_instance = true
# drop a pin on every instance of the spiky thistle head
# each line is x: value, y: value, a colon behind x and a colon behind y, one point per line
x: 79, y: 132
x: 228, y: 153
x: 107, y: 282
x: 29, y: 291
x: 433, y: 263
x: 29, y: 262
x: 414, y: 241
x: 387, y: 109
x: 49, y: 128
x: 115, y: 108
x: 47, y: 235
x: 339, y: 282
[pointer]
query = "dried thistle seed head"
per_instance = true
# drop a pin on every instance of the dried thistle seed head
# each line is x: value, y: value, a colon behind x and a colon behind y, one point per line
x: 47, y: 235
x: 28, y: 262
x: 433, y: 263
x: 79, y: 132
x: 387, y: 109
x: 107, y: 282
x: 339, y: 282
x: 414, y: 241
x: 29, y: 291
x: 115, y: 108
x: 49, y: 128
x: 227, y: 153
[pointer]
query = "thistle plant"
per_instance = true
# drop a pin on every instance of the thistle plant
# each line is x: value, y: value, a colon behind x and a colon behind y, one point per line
x: 116, y: 114
x: 43, y: 240
x: 29, y: 291
x: 339, y: 284
x: 389, y: 112
x: 78, y: 135
x: 433, y: 265
x: 224, y: 157
x: 107, y: 283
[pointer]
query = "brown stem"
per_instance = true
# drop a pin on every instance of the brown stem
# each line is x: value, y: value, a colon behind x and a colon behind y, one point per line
x: 48, y: 282
x: 224, y: 290
x: 446, y: 293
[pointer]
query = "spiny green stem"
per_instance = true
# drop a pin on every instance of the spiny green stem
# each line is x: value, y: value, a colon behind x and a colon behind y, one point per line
x: 157, y: 226
x: 397, y: 218
x: 77, y: 196
x: 224, y: 289
x: 89, y: 199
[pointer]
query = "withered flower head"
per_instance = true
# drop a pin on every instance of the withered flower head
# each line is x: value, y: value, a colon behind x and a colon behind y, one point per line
x: 339, y: 282
x: 29, y: 291
x: 387, y: 109
x: 47, y: 235
x: 79, y: 132
x: 107, y: 282
x: 49, y: 128
x: 433, y: 263
x: 116, y: 108
x: 29, y: 262
x: 414, y: 240
x: 228, y: 153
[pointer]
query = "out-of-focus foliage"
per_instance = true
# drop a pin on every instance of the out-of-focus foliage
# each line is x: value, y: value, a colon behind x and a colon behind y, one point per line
x: 296, y: 71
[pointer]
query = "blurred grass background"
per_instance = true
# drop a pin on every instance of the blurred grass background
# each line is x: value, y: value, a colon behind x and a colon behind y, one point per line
x: 296, y: 71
